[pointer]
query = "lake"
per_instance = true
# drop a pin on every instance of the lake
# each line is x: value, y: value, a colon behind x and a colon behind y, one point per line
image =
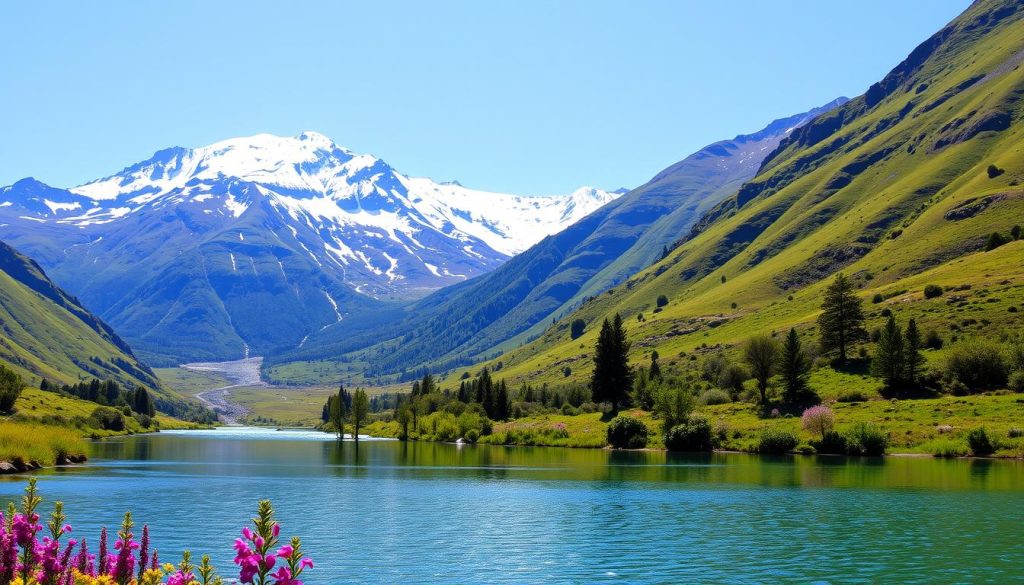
x: 393, y: 512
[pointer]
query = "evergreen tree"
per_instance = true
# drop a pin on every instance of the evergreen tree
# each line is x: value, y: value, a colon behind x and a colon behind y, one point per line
x: 842, y: 319
x: 612, y: 379
x: 427, y: 385
x: 338, y: 408
x: 142, y: 403
x: 795, y: 366
x: 655, y: 371
x: 762, y: 355
x: 914, y: 361
x: 502, y: 405
x: 889, y: 362
x: 360, y: 411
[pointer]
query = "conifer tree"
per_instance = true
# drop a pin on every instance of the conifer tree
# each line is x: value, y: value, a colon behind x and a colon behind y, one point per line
x: 655, y: 371
x: 889, y: 361
x: 612, y: 378
x: 338, y: 410
x: 842, y: 319
x: 794, y: 367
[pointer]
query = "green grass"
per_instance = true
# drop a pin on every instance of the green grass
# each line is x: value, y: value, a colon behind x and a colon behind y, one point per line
x: 22, y: 443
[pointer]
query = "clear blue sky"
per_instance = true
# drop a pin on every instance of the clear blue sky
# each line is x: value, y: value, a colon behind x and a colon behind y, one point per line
x: 520, y: 96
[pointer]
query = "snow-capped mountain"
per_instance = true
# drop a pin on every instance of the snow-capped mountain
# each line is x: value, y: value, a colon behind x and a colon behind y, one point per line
x: 261, y: 222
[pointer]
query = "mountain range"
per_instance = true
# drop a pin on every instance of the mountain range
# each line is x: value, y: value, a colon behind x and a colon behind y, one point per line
x: 473, y: 320
x: 253, y: 244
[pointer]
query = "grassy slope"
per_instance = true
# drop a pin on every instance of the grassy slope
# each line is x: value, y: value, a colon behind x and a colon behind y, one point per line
x: 885, y: 196
x: 794, y: 232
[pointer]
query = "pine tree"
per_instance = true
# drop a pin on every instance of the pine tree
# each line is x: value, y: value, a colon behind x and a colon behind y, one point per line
x: 338, y: 409
x: 842, y: 319
x: 612, y: 379
x: 914, y: 361
x: 502, y: 406
x: 889, y: 362
x: 427, y: 385
x: 794, y: 367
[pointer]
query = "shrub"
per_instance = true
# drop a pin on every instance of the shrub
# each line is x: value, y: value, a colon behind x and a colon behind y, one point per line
x: 977, y: 363
x: 10, y: 388
x: 980, y: 444
x: 472, y: 435
x: 833, y: 443
x: 866, y: 439
x: 818, y: 420
x: 994, y: 241
x: 1016, y: 382
x: 626, y: 432
x: 994, y: 171
x: 106, y: 418
x: 732, y: 379
x: 932, y: 290
x: 947, y: 447
x: 693, y: 435
x: 662, y: 300
x: 776, y: 441
x: 877, y: 298
x: 933, y: 340
x: 715, y: 396
x: 1015, y: 433
x: 852, y: 396
x: 576, y: 328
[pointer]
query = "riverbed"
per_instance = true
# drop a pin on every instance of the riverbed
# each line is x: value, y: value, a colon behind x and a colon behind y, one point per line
x: 395, y: 512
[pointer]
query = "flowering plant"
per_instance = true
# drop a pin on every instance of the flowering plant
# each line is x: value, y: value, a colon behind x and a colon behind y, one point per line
x: 27, y: 559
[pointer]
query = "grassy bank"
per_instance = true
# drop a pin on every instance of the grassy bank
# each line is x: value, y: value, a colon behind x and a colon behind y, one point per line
x: 27, y: 445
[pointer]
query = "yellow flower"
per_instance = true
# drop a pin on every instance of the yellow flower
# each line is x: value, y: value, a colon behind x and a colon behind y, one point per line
x: 151, y: 577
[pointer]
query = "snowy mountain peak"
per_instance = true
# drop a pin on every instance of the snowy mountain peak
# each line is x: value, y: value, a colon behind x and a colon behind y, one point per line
x: 383, y: 231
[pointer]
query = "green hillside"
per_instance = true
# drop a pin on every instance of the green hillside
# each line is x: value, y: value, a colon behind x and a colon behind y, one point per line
x: 898, y: 188
x: 47, y: 334
x: 470, y: 321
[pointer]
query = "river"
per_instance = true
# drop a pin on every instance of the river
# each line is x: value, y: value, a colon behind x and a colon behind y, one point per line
x: 392, y: 512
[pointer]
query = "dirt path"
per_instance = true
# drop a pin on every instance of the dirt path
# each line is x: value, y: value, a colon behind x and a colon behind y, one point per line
x: 244, y: 372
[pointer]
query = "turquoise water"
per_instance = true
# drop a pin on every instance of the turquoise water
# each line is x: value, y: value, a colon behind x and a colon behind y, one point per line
x: 391, y: 512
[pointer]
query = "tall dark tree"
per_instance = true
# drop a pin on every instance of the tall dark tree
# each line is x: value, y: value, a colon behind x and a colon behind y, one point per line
x: 762, y: 356
x: 360, y: 411
x: 612, y: 379
x: 427, y: 384
x: 889, y: 361
x: 914, y: 361
x: 142, y: 403
x: 655, y: 370
x: 338, y: 409
x: 842, y: 319
x: 795, y: 366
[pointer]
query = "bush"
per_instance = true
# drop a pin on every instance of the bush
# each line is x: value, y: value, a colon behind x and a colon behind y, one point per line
x: 662, y: 300
x: 715, y: 396
x: 933, y: 340
x: 980, y: 444
x: 1015, y: 433
x: 576, y: 328
x: 472, y: 435
x: 877, y: 298
x: 10, y: 389
x: 732, y: 379
x: 693, y: 435
x: 994, y: 171
x: 1016, y: 382
x: 776, y: 441
x: 833, y: 443
x: 626, y: 432
x: 106, y: 418
x: 932, y: 290
x: 977, y: 363
x: 866, y: 439
x: 994, y: 241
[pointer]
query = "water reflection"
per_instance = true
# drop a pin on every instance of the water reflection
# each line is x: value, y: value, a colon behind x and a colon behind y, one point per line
x: 395, y: 512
